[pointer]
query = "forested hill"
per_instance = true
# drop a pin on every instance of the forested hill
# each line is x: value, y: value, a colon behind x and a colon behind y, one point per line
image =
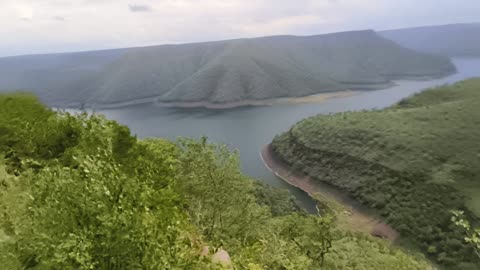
x: 413, y: 163
x: 220, y: 72
x: 79, y: 192
x: 453, y: 40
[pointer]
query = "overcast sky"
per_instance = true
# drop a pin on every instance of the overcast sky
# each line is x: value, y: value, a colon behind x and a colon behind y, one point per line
x: 44, y: 26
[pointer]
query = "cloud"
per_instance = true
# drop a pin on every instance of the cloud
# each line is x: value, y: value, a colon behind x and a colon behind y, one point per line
x: 24, y: 12
x: 140, y: 8
x: 116, y: 22
x: 58, y: 18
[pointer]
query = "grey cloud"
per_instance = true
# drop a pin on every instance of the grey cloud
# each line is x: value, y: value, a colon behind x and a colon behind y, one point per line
x: 140, y: 8
x: 184, y: 21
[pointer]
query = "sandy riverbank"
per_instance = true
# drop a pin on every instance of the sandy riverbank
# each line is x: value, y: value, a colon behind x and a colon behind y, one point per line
x: 349, y: 214
x: 318, y: 98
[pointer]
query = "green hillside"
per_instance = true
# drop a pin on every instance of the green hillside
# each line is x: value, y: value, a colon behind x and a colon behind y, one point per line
x: 222, y: 71
x: 413, y: 162
x: 79, y: 192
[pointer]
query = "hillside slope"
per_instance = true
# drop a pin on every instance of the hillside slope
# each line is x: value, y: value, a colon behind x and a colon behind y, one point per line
x: 80, y: 192
x: 455, y: 40
x: 413, y: 163
x: 220, y: 72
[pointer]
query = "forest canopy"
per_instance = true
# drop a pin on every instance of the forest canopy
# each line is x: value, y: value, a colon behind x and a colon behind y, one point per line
x: 81, y: 192
x: 413, y: 163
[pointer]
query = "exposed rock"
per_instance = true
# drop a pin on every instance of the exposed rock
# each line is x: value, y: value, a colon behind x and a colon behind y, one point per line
x: 221, y: 257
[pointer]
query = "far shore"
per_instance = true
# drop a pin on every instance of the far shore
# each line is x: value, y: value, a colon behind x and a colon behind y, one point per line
x: 353, y: 216
x: 317, y: 98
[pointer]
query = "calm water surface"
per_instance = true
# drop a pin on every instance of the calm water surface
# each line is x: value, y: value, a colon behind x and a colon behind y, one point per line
x: 248, y: 129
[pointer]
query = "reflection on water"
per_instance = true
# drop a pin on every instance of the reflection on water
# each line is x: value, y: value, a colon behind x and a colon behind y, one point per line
x: 249, y: 128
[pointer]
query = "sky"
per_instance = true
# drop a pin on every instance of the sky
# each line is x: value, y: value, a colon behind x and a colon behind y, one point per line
x: 48, y: 26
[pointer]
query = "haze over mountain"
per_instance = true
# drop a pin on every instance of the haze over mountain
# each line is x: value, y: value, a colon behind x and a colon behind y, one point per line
x: 461, y: 40
x: 220, y: 72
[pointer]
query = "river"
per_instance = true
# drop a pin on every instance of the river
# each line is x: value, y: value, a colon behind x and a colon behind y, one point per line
x: 248, y: 129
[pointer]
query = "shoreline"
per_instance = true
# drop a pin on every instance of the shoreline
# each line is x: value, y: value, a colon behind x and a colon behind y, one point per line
x: 353, y: 89
x: 316, y: 98
x: 352, y: 216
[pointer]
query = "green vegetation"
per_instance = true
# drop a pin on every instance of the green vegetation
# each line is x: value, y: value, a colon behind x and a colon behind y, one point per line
x: 220, y: 72
x: 413, y: 163
x: 79, y: 192
x: 472, y: 235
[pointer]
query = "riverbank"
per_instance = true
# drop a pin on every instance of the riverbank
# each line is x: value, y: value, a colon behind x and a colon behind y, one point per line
x: 354, y: 89
x: 317, y: 98
x: 350, y: 215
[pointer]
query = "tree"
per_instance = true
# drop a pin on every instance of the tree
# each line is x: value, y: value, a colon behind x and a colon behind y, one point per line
x: 472, y: 235
x: 94, y: 212
x: 311, y: 234
x: 219, y: 197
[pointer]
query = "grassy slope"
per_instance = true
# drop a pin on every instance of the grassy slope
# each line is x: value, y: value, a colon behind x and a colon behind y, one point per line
x: 220, y: 72
x: 413, y: 162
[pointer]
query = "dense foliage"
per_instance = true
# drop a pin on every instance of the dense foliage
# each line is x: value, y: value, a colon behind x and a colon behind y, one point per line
x: 413, y: 162
x: 79, y: 192
x: 472, y: 235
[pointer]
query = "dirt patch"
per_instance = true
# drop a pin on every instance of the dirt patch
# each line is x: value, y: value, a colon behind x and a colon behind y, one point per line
x: 320, y: 97
x: 350, y: 215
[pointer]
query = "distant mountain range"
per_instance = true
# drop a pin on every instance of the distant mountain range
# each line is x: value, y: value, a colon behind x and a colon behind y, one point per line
x: 454, y: 40
x: 220, y: 72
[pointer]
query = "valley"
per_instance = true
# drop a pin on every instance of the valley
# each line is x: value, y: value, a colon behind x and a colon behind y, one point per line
x: 250, y: 129
x: 239, y: 135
